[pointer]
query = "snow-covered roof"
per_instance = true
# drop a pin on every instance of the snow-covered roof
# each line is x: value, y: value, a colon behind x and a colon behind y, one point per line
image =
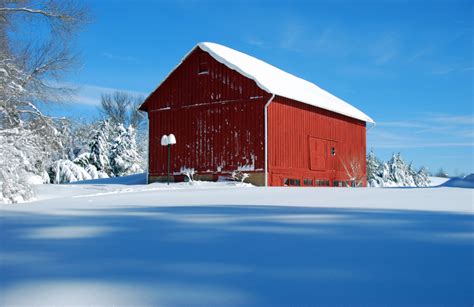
x: 276, y: 81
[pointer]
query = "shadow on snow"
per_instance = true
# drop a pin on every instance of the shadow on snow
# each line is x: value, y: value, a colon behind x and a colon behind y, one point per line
x: 237, y: 255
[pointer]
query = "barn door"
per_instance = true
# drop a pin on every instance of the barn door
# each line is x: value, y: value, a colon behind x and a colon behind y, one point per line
x: 318, y: 154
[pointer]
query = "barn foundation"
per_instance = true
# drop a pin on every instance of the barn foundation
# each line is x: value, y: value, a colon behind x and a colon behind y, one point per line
x: 256, y: 178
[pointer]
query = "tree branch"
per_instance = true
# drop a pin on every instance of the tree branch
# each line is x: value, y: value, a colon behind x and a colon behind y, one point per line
x: 33, y: 11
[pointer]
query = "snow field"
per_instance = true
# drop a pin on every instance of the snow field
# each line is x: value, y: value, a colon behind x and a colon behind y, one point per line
x: 222, y: 244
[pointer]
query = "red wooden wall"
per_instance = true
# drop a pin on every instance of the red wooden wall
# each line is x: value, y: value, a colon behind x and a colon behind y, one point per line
x: 300, y: 139
x: 215, y: 113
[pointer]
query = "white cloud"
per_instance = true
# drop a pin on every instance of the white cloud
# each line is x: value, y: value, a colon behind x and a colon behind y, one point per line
x: 90, y: 94
x: 254, y: 41
x: 429, y: 130
x: 120, y: 58
x: 385, y: 49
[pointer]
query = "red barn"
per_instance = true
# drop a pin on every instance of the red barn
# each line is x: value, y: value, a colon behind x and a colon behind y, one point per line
x: 232, y: 112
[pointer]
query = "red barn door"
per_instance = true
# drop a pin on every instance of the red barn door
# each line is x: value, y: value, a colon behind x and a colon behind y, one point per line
x: 318, y: 154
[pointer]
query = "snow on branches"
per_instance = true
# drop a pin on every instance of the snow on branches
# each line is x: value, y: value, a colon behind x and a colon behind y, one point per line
x: 124, y: 156
x: 394, y: 173
x: 112, y: 151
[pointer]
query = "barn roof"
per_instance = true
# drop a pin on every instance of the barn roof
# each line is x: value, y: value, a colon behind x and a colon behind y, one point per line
x: 276, y: 81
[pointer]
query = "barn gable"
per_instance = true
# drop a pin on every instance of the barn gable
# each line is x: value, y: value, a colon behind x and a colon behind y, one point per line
x: 201, y: 79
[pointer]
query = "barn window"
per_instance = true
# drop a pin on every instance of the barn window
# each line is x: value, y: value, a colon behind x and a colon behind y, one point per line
x: 292, y: 182
x: 322, y: 183
x: 333, y: 151
x: 338, y: 183
x: 203, y: 65
x: 308, y: 182
x: 285, y: 182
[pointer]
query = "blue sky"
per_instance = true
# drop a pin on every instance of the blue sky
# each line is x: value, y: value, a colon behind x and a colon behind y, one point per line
x: 408, y: 64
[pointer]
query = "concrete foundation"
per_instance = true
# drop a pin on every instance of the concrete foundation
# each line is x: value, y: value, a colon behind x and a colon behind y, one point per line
x: 257, y: 179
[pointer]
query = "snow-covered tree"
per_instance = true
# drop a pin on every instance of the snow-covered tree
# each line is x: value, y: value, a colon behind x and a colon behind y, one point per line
x: 374, y: 173
x: 395, y: 172
x: 83, y: 160
x: 124, y: 156
x: 122, y: 108
x: 66, y: 171
x: 30, y: 140
x: 100, y: 147
x: 400, y: 173
x: 422, y: 178
x: 14, y: 166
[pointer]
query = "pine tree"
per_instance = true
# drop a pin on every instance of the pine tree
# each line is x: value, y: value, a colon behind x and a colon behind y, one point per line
x: 100, y: 146
x: 422, y: 178
x: 394, y: 173
x: 399, y: 171
x: 124, y: 156
x: 374, y: 170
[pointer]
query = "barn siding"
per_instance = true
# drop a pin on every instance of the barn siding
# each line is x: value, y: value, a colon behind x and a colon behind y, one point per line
x: 290, y: 126
x: 217, y: 118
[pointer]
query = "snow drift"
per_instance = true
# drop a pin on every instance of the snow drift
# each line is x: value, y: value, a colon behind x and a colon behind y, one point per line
x: 466, y: 182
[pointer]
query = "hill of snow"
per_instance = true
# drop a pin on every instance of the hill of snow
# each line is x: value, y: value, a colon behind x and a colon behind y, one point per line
x: 466, y: 182
x: 222, y: 244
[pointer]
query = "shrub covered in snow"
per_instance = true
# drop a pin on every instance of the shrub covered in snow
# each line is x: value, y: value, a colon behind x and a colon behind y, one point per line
x: 24, y: 153
x: 65, y: 171
x: 14, y: 164
x: 394, y: 173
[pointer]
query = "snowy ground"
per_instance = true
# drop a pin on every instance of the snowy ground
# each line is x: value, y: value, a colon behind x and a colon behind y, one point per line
x: 225, y: 245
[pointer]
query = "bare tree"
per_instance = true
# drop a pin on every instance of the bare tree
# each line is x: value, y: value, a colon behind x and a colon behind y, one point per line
x: 122, y: 108
x: 354, y: 171
x: 44, y: 60
x: 239, y: 176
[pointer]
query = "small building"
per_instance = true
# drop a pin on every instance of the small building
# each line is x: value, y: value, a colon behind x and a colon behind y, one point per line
x: 232, y: 112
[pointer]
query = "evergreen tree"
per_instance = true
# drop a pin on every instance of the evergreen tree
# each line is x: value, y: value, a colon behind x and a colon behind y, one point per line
x: 422, y: 178
x: 442, y: 173
x: 373, y: 170
x: 124, y: 156
x: 100, y: 146
x: 399, y: 171
x: 394, y: 173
